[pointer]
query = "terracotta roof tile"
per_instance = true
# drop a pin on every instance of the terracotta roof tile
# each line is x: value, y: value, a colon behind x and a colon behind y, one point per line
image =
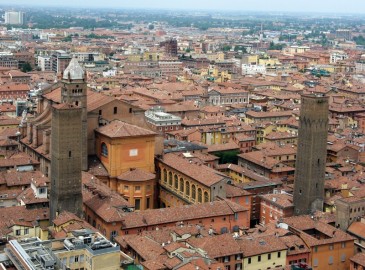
x: 119, y: 129
x: 200, y: 173
x: 135, y: 174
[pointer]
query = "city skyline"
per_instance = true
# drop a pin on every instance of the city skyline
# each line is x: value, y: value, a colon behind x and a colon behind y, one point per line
x: 335, y: 6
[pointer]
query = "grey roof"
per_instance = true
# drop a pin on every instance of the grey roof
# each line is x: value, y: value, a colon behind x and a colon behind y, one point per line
x: 181, y: 146
x: 75, y: 70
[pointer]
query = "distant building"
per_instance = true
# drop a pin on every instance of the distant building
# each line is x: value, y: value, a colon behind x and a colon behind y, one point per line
x: 161, y: 121
x: 343, y: 34
x: 14, y: 17
x: 253, y: 69
x: 359, y: 66
x: 337, y: 56
x: 8, y: 61
x: 60, y: 60
x: 170, y: 47
x: 44, y: 63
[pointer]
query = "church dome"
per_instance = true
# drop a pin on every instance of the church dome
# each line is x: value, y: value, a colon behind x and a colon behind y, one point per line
x: 74, y: 71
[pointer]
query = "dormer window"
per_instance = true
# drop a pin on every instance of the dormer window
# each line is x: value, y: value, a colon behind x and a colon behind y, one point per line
x: 104, y: 150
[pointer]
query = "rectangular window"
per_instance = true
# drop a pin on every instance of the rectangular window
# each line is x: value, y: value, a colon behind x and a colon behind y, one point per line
x: 315, y: 262
x: 330, y: 260
x: 137, y: 204
x: 26, y: 231
x: 269, y: 256
x: 259, y: 258
x: 76, y: 258
x: 226, y: 259
x: 137, y: 188
x: 343, y: 257
x: 249, y: 261
x: 17, y: 232
x: 315, y: 249
x: 279, y: 254
x: 331, y: 246
x: 126, y: 188
x: 115, y: 110
x: 133, y: 152
x: 343, y: 244
x: 148, y: 203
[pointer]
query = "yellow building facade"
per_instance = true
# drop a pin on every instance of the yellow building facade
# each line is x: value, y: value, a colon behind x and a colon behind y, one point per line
x: 127, y: 153
x: 183, y: 182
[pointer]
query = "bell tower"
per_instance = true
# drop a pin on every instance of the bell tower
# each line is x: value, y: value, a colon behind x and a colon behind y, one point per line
x: 68, y: 143
x: 74, y: 92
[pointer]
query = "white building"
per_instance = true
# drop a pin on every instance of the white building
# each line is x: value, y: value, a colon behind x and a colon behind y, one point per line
x: 253, y: 69
x: 88, y: 56
x: 338, y: 56
x: 162, y: 121
x: 44, y: 63
x: 360, y: 66
x: 14, y: 17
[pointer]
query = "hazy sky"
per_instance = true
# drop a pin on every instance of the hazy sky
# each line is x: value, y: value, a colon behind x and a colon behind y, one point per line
x: 333, y: 6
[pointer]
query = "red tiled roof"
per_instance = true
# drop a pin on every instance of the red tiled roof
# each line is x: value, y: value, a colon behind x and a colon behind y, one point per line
x: 119, y: 129
x: 136, y: 175
x: 199, y: 173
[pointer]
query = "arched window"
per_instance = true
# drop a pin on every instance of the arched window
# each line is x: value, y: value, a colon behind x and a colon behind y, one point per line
x: 104, y: 150
x: 170, y: 178
x: 200, y: 195
x: 165, y: 176
x: 187, y: 188
x: 176, y: 182
x: 181, y: 185
x: 206, y: 196
x: 193, y: 192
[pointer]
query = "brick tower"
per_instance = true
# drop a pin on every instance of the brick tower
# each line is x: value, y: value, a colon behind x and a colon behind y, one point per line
x: 66, y: 160
x: 311, y: 155
x: 68, y: 143
x: 74, y: 89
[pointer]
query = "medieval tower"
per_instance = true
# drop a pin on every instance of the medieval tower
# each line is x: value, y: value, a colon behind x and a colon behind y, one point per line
x: 68, y: 143
x: 74, y: 91
x: 311, y: 155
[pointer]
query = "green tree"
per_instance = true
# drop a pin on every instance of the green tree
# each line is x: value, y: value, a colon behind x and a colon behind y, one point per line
x: 228, y: 156
x: 151, y: 27
x: 274, y: 46
x: 360, y: 40
x: 67, y: 39
x: 240, y: 48
x: 26, y: 67
x: 226, y: 48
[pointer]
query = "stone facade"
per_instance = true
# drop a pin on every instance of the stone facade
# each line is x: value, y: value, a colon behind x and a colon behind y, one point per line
x: 349, y: 210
